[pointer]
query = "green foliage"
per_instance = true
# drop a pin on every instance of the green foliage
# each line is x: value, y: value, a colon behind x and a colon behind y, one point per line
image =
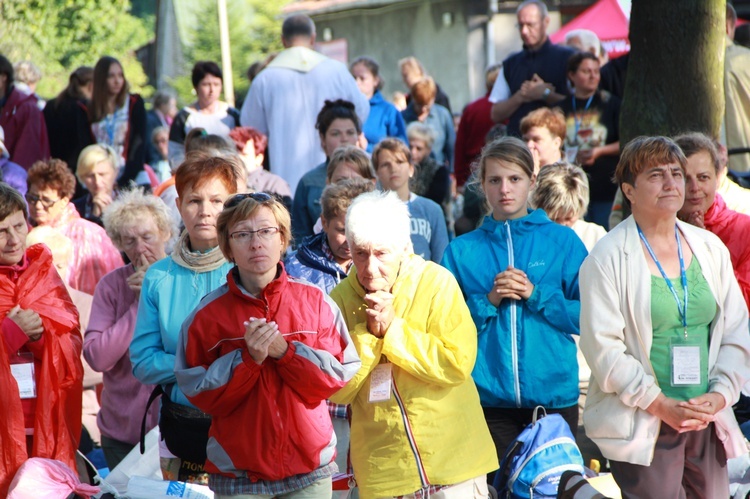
x: 60, y: 35
x: 254, y: 32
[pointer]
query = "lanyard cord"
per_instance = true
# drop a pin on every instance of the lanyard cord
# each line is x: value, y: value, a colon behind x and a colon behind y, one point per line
x: 576, y: 120
x: 683, y: 275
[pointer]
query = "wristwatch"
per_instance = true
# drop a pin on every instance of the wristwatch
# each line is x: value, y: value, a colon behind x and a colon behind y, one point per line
x: 546, y: 93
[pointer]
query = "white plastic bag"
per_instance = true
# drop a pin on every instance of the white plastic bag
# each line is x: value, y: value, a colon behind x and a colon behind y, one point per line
x: 147, y: 488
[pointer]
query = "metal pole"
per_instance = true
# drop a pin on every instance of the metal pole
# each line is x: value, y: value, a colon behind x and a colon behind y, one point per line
x: 491, y: 11
x: 226, y: 57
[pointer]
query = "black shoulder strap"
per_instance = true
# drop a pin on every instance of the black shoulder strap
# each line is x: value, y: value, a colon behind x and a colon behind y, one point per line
x: 155, y: 393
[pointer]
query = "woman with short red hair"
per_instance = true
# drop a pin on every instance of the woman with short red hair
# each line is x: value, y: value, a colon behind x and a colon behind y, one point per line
x: 423, y: 108
x: 171, y: 289
x: 251, y: 146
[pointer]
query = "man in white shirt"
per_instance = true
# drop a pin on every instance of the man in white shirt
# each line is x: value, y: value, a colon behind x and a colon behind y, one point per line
x: 286, y: 97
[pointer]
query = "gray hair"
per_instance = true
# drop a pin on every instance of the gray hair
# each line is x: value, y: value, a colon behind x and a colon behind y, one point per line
x: 421, y: 131
x: 27, y: 72
x: 130, y: 208
x: 539, y: 5
x: 378, y: 218
x: 589, y: 41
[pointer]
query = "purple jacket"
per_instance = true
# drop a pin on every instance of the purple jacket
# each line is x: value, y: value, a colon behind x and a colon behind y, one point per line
x: 13, y: 175
x: 106, y: 349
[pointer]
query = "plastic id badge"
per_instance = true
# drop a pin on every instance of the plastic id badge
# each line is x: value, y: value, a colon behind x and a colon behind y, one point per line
x: 381, y: 379
x: 686, y: 363
x: 22, y: 369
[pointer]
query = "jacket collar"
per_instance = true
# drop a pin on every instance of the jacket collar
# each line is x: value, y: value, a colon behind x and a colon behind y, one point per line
x: 270, y: 293
x: 314, y: 252
x: 527, y: 222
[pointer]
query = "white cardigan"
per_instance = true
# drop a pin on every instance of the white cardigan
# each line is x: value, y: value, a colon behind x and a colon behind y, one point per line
x: 616, y: 337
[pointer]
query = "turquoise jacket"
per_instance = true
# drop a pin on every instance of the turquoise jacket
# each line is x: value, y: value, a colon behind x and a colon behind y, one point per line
x: 169, y: 294
x: 526, y: 353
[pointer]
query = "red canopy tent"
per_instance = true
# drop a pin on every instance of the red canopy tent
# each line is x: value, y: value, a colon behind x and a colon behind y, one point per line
x: 605, y: 18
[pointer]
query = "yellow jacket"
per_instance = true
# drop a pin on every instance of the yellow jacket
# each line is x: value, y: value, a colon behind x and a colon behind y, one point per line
x: 432, y: 430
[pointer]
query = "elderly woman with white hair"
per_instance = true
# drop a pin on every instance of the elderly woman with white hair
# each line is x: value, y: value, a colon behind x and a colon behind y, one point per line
x: 140, y: 226
x: 430, y: 179
x: 417, y: 426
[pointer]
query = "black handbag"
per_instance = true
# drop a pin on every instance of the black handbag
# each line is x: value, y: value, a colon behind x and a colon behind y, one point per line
x: 184, y: 429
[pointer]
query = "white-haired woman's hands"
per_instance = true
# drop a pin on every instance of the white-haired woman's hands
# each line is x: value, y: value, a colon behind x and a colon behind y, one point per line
x: 380, y: 312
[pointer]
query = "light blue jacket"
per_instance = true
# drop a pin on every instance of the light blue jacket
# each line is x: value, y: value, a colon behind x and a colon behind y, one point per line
x: 169, y: 294
x: 526, y: 355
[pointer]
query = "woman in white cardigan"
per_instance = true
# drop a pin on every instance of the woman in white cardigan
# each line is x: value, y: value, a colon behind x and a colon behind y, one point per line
x: 665, y: 331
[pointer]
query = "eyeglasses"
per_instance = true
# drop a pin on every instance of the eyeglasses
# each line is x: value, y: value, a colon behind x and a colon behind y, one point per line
x: 46, y: 203
x: 245, y: 236
x: 260, y: 197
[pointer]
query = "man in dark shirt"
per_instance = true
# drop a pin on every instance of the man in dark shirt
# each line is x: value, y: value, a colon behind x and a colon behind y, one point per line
x: 533, y: 77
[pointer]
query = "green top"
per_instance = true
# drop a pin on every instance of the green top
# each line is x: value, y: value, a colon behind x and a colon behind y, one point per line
x: 667, y: 328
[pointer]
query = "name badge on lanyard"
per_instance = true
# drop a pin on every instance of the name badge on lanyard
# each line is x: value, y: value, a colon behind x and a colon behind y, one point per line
x: 380, y: 383
x: 22, y: 369
x: 685, y: 357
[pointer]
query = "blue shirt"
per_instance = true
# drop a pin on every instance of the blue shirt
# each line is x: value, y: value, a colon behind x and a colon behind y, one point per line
x: 306, y: 205
x: 429, y: 234
x: 384, y: 121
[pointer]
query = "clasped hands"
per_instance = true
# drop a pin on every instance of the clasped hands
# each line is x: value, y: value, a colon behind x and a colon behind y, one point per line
x: 511, y: 283
x: 28, y: 320
x: 263, y: 339
x: 380, y: 312
x: 691, y: 415
x: 533, y: 89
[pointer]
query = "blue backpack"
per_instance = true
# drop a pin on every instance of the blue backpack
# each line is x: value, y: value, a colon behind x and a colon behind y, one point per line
x: 535, y: 461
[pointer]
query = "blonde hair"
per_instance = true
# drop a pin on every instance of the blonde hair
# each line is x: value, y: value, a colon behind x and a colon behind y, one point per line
x: 337, y: 198
x: 562, y: 189
x: 93, y: 155
x: 411, y: 65
x: 354, y: 155
x: 236, y: 211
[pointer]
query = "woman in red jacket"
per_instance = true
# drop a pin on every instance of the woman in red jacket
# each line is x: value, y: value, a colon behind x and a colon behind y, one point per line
x: 705, y: 208
x: 40, y: 355
x: 261, y: 354
x: 118, y: 119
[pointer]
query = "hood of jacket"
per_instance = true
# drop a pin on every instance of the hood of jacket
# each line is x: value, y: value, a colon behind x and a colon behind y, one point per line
x: 311, y: 254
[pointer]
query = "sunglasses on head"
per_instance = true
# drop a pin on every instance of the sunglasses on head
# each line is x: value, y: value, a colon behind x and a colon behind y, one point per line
x: 260, y: 197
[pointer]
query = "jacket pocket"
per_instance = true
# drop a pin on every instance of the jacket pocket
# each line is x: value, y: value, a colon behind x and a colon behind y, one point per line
x: 605, y: 416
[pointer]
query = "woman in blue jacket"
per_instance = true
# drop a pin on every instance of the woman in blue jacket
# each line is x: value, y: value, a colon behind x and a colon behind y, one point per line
x: 384, y: 119
x: 519, y: 275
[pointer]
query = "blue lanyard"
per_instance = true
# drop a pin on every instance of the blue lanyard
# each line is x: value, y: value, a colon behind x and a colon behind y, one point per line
x: 683, y: 275
x: 575, y: 114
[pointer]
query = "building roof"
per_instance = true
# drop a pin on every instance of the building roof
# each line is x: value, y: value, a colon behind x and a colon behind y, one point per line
x: 314, y: 7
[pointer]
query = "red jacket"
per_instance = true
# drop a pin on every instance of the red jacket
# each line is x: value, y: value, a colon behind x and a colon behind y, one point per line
x: 734, y: 231
x: 269, y: 420
x: 25, y: 130
x: 474, y: 126
x: 57, y: 425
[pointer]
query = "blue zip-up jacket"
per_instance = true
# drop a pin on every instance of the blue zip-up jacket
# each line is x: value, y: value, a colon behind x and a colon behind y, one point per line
x: 169, y: 294
x: 383, y: 121
x: 311, y: 263
x: 526, y: 355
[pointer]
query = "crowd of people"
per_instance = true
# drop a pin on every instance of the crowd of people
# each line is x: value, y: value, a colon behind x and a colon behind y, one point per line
x: 340, y: 288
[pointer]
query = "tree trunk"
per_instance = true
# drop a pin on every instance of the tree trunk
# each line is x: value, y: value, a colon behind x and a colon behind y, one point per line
x: 675, y: 79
